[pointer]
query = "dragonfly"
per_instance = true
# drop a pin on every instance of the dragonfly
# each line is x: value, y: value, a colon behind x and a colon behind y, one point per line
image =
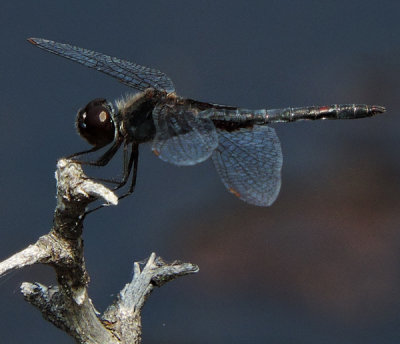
x: 245, y: 150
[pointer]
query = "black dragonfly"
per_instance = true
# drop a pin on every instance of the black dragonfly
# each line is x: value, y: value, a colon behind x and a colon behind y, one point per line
x: 245, y: 151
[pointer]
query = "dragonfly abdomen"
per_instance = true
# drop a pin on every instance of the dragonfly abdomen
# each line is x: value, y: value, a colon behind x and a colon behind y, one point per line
x: 235, y: 119
x: 346, y: 111
x: 231, y: 119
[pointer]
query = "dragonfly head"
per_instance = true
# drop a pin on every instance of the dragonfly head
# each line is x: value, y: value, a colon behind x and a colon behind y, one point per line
x: 95, y: 122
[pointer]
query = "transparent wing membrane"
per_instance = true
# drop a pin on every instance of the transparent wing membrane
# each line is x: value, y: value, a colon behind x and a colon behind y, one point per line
x: 249, y: 162
x: 131, y: 74
x: 182, y: 137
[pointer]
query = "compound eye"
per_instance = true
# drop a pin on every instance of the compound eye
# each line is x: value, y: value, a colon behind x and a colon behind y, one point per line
x: 95, y: 124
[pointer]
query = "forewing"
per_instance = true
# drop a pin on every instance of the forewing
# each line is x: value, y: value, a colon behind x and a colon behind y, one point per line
x: 183, y: 136
x: 129, y: 73
x: 249, y: 162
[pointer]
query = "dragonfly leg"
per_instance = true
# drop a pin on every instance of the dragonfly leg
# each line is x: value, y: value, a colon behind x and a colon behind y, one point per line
x: 133, y: 160
x: 107, y: 156
x: 127, y: 166
x: 103, y: 160
x: 72, y: 156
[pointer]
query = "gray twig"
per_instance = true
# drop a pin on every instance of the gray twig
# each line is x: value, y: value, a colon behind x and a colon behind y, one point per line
x: 68, y: 305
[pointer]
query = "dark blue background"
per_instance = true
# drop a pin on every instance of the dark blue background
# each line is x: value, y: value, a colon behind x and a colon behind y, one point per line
x: 322, y: 265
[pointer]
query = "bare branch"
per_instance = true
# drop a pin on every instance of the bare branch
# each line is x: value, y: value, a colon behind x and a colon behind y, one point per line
x: 72, y: 183
x: 68, y: 305
x: 124, y: 315
x: 28, y: 256
x: 78, y: 320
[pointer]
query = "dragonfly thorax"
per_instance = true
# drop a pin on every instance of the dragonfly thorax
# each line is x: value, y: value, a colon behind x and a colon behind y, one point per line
x: 136, y: 115
x: 95, y: 123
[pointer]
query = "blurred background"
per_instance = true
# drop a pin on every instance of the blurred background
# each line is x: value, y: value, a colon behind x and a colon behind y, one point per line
x: 321, y: 265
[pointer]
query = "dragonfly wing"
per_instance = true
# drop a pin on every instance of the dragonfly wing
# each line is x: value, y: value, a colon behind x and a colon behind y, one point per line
x: 131, y: 74
x: 183, y: 136
x: 249, y: 162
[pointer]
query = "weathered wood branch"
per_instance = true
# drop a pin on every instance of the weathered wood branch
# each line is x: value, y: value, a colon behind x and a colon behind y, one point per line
x: 68, y: 305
